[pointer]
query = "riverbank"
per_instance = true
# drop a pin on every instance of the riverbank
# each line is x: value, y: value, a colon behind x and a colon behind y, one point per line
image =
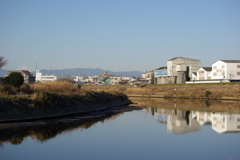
x: 45, y: 105
x: 217, y: 91
x: 58, y: 99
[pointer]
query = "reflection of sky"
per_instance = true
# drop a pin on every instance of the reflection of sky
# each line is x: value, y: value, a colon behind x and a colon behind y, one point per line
x: 133, y: 135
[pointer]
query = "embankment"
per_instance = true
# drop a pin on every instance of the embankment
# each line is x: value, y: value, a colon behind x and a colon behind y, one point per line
x: 220, y: 91
x: 44, y: 105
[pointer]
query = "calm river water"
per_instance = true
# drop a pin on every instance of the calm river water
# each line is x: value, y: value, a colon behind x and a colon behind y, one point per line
x: 163, y: 129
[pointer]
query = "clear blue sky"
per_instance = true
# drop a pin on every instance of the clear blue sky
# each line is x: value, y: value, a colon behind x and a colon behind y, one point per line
x: 119, y: 35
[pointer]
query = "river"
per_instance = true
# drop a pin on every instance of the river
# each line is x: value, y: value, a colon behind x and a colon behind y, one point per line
x: 162, y: 129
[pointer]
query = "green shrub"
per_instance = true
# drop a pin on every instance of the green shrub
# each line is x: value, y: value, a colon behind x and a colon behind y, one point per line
x: 14, y: 79
x: 207, y: 94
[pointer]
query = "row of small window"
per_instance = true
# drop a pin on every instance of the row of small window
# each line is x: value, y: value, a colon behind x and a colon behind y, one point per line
x: 223, y: 67
x: 48, y: 77
x: 223, y: 74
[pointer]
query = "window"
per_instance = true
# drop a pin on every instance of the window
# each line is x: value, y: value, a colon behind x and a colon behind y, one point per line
x: 238, y: 66
x: 214, y: 67
x: 214, y: 74
x: 201, y: 72
x: 238, y: 73
x: 223, y: 73
x: 223, y: 66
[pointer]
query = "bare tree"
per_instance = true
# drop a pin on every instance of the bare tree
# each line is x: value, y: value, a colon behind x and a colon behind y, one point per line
x: 2, y: 62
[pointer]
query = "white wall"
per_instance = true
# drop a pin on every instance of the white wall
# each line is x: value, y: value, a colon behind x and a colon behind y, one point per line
x: 44, y: 78
x: 222, y: 70
x: 202, y: 74
x: 193, y: 64
x: 233, y: 71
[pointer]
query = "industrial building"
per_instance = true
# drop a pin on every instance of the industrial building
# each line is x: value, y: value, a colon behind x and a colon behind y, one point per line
x: 178, y: 70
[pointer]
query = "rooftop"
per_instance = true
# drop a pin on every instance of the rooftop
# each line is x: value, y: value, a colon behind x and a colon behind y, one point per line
x: 207, y: 68
x: 231, y: 61
x: 182, y: 58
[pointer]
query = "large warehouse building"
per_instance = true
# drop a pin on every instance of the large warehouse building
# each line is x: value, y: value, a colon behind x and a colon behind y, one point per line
x: 178, y: 70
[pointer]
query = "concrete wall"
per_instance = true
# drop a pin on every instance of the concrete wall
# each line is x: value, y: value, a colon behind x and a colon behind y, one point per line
x: 193, y: 65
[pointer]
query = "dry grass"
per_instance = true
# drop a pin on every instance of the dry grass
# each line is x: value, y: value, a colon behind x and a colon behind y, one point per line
x: 211, y: 91
x: 61, y: 87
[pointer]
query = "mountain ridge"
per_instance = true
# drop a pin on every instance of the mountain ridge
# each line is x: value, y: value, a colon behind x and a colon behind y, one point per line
x: 83, y: 71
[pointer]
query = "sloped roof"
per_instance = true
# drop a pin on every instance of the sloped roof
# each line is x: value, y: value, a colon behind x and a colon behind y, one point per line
x: 27, y: 72
x: 231, y: 61
x: 181, y: 57
x: 207, y: 68
x: 194, y: 73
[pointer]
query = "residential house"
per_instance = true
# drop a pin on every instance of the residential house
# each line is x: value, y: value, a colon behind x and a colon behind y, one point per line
x: 226, y: 70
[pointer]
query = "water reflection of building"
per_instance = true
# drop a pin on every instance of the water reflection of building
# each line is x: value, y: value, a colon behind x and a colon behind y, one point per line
x: 221, y: 122
x: 179, y: 121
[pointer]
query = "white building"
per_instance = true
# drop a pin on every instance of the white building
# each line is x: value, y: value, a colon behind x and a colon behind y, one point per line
x: 226, y: 70
x: 221, y: 71
x: 79, y: 79
x: 148, y: 74
x: 114, y: 80
x: 204, y: 73
x: 45, y: 78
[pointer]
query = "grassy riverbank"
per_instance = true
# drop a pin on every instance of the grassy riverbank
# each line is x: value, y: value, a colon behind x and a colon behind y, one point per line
x: 55, y: 99
x: 229, y: 91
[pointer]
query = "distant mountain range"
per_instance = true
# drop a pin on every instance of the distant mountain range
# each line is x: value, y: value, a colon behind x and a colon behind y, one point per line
x: 83, y: 71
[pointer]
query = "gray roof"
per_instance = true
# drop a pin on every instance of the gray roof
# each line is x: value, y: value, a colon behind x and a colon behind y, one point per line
x: 161, y: 68
x: 231, y: 61
x: 207, y: 68
x: 183, y: 58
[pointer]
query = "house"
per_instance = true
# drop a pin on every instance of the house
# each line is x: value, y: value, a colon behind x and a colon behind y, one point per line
x: 28, y: 77
x: 226, y: 70
x: 115, y: 80
x: 148, y: 74
x: 204, y: 73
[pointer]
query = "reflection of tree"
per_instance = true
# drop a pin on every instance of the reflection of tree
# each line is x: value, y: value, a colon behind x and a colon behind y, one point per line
x: 51, y: 130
